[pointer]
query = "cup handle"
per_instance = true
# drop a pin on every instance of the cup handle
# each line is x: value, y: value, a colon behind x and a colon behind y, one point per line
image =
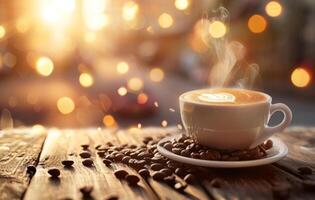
x: 269, y: 131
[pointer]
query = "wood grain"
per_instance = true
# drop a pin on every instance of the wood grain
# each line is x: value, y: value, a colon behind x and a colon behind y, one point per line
x: 18, y: 149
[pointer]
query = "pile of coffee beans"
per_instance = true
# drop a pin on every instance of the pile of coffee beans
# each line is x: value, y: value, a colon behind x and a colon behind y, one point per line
x: 186, y: 146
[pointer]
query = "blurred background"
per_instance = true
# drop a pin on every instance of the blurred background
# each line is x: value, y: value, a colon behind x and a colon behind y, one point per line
x: 110, y: 63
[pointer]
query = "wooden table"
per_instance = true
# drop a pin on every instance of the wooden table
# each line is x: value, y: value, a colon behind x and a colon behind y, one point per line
x: 47, y: 148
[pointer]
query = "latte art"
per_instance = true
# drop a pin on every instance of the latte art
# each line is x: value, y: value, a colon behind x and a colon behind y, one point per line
x: 217, y: 97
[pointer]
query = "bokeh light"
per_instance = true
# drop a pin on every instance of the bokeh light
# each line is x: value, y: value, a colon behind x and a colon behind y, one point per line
x: 142, y: 98
x: 257, y: 23
x: 130, y: 10
x: 65, y: 105
x: 181, y: 4
x: 135, y: 84
x: 44, y: 66
x: 109, y: 121
x: 164, y: 123
x: 2, y: 32
x: 86, y: 80
x: 122, y: 91
x: 300, y: 77
x: 217, y: 29
x: 273, y: 9
x: 122, y: 67
x: 22, y: 25
x: 156, y: 74
x: 165, y: 20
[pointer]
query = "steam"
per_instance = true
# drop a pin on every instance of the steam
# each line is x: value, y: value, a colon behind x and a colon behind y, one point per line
x: 229, y: 70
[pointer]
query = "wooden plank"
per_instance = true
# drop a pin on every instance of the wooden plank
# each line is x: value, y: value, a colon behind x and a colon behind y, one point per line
x: 18, y: 149
x: 67, y: 144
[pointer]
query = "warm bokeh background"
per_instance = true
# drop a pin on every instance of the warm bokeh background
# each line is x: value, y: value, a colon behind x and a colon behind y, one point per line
x: 82, y: 63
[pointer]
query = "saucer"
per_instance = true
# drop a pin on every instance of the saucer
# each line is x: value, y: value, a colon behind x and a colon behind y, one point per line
x: 277, y: 152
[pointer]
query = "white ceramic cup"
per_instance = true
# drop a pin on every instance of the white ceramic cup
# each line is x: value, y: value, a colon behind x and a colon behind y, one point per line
x: 234, y: 127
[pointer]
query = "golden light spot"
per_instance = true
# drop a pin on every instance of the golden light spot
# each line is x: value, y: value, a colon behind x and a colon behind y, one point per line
x: 257, y: 24
x: 142, y: 98
x: 109, y: 121
x: 9, y: 59
x: 181, y: 4
x: 44, y: 66
x: 135, y: 84
x: 2, y: 32
x: 130, y: 10
x: 164, y: 123
x: 22, y: 25
x: 65, y: 105
x: 122, y: 67
x: 86, y: 80
x: 165, y: 20
x: 156, y: 74
x: 97, y: 22
x: 300, y: 77
x: 217, y: 29
x: 273, y: 9
x: 38, y: 128
x: 89, y: 37
x: 122, y: 91
x: 156, y: 104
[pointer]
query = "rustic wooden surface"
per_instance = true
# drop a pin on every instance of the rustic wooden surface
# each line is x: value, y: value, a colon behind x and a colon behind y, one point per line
x: 22, y: 147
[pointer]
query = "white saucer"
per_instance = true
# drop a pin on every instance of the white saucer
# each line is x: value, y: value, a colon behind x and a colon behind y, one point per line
x: 277, y: 152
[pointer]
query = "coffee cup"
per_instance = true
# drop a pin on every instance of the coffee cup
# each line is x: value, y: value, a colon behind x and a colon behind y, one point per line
x: 230, y: 118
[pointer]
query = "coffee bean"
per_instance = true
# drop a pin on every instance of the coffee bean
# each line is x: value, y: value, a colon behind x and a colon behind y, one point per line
x: 182, y: 138
x: 185, y: 153
x: 158, y: 159
x: 158, y: 176
x: 112, y: 197
x: 86, y: 190
x: 101, y: 153
x: 156, y: 167
x: 85, y: 146
x: 140, y: 163
x: 31, y: 170
x: 85, y: 154
x: 144, y: 173
x: 54, y: 172
x: 176, y: 150
x: 132, y: 179
x: 125, y: 159
x: 120, y: 173
x: 97, y: 146
x: 305, y: 170
x: 107, y: 162
x: 195, y: 155
x: 168, y: 146
x: 216, y: 182
x: 67, y: 163
x: 180, y: 172
x: 179, y: 145
x: 188, y: 142
x: 268, y: 144
x: 132, y: 146
x: 166, y: 171
x: 109, y: 144
x: 189, y: 178
x: 87, y: 162
x: 118, y: 157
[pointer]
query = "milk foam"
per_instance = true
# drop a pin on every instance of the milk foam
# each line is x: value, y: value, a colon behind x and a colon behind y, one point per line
x: 217, y: 97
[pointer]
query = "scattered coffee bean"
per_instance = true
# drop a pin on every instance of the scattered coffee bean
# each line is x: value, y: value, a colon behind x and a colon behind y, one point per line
x: 87, y: 162
x: 189, y: 178
x: 86, y: 190
x: 112, y: 197
x: 305, y: 170
x: 118, y: 157
x: 85, y: 146
x: 85, y: 154
x: 101, y: 153
x: 180, y: 172
x: 31, y: 170
x: 107, y: 162
x: 158, y: 176
x: 166, y: 171
x: 67, y: 163
x: 97, y: 146
x: 156, y: 166
x: 170, y: 180
x: 179, y: 186
x: 132, y: 179
x: 120, y: 173
x: 144, y: 173
x: 126, y: 159
x: 54, y: 172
